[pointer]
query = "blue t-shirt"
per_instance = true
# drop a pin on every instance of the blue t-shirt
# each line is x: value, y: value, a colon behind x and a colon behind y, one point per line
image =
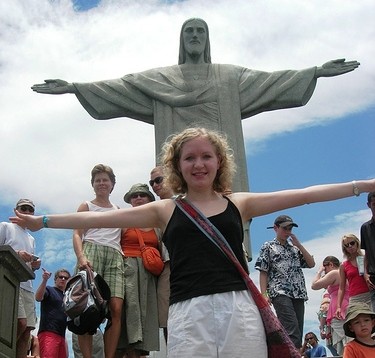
x: 317, y: 351
x: 52, y: 315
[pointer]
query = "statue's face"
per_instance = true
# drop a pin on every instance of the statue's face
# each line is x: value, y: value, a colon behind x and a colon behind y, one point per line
x: 195, y: 37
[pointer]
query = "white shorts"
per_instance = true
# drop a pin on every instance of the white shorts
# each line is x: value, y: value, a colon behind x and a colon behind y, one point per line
x: 221, y: 325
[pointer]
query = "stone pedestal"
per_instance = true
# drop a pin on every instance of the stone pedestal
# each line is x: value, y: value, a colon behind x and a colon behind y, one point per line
x: 13, y: 270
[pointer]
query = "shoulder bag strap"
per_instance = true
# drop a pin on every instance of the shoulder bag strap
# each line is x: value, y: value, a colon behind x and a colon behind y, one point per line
x: 140, y: 238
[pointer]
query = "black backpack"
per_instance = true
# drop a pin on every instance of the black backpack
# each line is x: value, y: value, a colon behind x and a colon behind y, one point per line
x: 85, y: 302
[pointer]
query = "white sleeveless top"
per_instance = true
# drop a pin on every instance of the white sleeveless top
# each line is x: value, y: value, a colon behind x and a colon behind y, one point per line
x: 103, y: 236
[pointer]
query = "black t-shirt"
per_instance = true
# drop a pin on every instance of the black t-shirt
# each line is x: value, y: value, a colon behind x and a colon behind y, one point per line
x: 368, y: 244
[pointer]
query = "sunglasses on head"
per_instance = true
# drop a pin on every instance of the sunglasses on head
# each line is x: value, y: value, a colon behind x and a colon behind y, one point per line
x: 63, y: 277
x: 157, y: 180
x: 349, y: 244
x: 26, y: 208
x: 136, y: 195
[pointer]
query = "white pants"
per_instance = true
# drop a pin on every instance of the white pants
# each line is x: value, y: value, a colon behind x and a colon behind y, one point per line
x: 222, y: 325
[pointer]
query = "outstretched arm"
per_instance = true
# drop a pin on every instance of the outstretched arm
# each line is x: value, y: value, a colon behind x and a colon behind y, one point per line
x: 336, y: 68
x: 154, y: 214
x: 256, y: 204
x: 54, y: 86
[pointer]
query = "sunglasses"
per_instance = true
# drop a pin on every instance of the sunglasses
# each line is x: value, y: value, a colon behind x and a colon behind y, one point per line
x: 63, y: 277
x: 287, y: 228
x: 26, y: 208
x: 309, y: 338
x: 136, y: 195
x: 349, y: 244
x: 157, y: 180
x: 326, y: 264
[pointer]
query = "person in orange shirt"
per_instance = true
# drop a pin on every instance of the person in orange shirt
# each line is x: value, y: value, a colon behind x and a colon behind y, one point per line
x: 140, y: 324
x: 360, y: 324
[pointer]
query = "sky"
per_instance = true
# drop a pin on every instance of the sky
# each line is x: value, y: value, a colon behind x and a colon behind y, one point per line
x: 49, y: 144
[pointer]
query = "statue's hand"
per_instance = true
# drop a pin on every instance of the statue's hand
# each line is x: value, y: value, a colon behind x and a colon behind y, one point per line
x: 336, y: 68
x: 54, y: 86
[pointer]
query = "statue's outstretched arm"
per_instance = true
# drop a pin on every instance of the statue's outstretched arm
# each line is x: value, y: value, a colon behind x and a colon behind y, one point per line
x: 54, y: 86
x: 336, y: 68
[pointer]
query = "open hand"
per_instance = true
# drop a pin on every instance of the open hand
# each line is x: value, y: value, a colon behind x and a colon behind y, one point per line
x: 336, y: 67
x: 53, y: 86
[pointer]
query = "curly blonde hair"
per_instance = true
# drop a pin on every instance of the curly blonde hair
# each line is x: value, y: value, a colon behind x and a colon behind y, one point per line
x: 171, y: 153
x: 352, y: 237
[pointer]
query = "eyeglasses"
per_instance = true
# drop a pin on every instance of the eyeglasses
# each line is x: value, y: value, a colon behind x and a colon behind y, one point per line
x: 26, y: 208
x: 157, y: 180
x: 136, y: 195
x: 349, y: 244
x: 63, y: 277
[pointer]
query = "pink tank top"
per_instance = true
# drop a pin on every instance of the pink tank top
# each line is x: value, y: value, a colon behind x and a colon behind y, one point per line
x: 333, y: 291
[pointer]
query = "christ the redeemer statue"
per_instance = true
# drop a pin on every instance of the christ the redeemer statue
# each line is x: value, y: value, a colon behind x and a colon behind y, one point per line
x: 197, y: 92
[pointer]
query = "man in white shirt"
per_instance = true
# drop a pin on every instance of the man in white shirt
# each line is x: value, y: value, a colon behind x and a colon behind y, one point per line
x: 24, y: 244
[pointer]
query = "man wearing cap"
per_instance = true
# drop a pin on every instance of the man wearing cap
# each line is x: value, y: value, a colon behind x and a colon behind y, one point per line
x: 281, y: 279
x: 23, y: 243
x: 360, y: 325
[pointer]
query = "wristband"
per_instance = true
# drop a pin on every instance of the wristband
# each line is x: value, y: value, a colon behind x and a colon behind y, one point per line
x: 45, y: 221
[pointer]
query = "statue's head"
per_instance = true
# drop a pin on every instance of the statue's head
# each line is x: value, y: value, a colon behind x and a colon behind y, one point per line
x: 207, y: 49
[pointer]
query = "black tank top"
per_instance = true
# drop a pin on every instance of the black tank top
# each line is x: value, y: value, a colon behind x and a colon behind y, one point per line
x: 198, y: 267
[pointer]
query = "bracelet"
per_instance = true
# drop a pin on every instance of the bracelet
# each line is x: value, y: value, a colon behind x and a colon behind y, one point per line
x: 356, y: 191
x: 45, y: 221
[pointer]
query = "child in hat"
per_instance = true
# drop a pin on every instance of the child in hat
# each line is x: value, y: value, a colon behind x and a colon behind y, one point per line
x: 359, y: 324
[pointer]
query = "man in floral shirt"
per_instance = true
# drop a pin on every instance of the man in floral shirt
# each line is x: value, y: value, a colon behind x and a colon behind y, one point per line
x: 281, y: 279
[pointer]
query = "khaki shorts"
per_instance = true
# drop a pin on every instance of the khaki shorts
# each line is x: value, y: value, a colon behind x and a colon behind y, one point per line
x: 26, y: 307
x: 108, y: 263
x: 163, y: 290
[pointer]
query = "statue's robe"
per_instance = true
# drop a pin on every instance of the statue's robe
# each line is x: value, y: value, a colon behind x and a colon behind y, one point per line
x: 231, y: 93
